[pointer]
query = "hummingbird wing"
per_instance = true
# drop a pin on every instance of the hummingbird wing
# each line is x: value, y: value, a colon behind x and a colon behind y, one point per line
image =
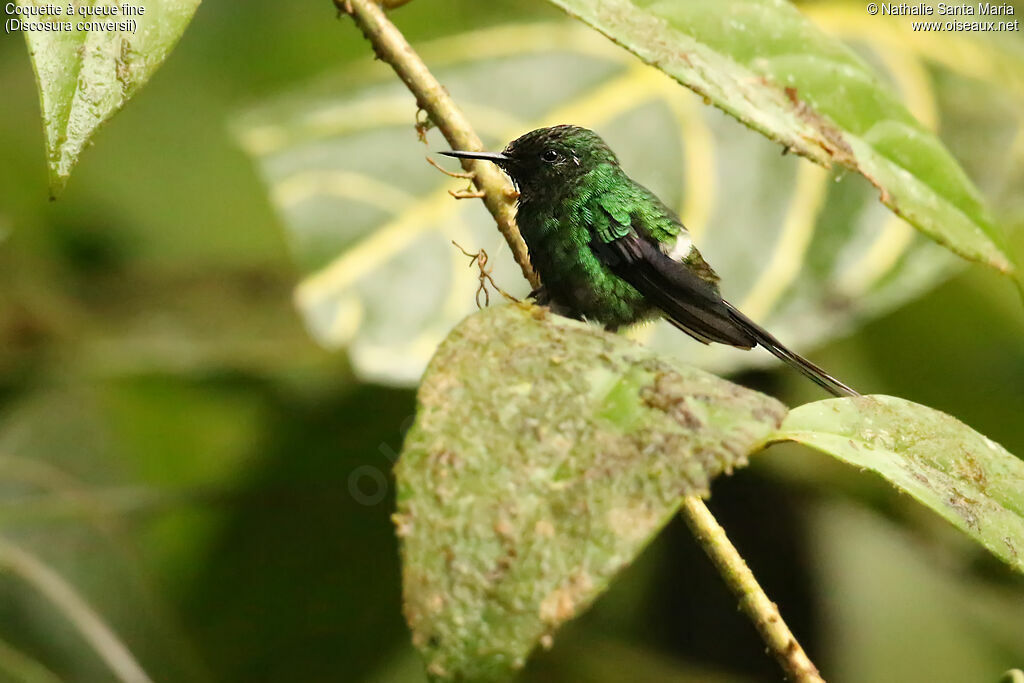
x: 689, y: 302
x: 623, y: 241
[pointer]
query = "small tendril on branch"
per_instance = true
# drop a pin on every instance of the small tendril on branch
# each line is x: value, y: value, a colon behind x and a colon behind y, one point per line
x: 423, y: 124
x: 469, y: 192
x: 466, y: 175
x: 480, y: 259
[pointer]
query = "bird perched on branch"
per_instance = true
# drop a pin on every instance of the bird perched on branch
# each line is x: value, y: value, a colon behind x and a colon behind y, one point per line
x: 608, y: 250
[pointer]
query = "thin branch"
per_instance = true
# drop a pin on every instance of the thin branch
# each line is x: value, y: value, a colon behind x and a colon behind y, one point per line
x: 391, y: 46
x: 753, y: 601
x: 78, y: 612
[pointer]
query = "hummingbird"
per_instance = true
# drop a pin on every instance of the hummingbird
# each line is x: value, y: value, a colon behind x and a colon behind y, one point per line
x: 608, y: 250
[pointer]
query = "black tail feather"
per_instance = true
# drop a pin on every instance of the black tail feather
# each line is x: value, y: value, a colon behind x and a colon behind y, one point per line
x: 775, y: 347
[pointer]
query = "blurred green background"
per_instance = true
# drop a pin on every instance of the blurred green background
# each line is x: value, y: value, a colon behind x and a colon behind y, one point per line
x: 175, y: 446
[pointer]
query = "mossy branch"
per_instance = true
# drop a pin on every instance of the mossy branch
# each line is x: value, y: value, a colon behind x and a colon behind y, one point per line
x: 390, y: 45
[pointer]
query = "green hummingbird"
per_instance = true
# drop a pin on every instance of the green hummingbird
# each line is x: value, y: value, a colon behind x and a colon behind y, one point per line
x: 608, y: 250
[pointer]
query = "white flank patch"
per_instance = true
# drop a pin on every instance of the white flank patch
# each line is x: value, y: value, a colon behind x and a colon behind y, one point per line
x: 681, y: 249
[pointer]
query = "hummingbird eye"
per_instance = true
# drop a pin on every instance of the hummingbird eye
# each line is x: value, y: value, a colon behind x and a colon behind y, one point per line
x: 550, y: 156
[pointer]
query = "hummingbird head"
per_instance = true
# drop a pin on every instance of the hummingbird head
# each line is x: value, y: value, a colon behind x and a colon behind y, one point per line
x: 547, y: 159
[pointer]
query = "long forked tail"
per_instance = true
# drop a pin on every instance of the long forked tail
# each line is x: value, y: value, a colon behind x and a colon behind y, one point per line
x: 775, y: 347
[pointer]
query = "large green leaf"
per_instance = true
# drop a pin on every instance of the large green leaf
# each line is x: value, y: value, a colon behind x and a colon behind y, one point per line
x: 774, y: 70
x: 85, y: 76
x: 544, y: 456
x: 371, y: 224
x: 967, y: 478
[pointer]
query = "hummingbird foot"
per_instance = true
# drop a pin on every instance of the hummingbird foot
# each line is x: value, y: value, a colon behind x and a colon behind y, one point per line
x: 540, y: 295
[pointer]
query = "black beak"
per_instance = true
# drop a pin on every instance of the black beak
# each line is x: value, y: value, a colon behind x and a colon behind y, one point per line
x: 496, y: 157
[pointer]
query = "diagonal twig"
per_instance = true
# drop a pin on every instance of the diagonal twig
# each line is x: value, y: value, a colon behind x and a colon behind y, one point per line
x: 391, y: 46
x: 752, y: 598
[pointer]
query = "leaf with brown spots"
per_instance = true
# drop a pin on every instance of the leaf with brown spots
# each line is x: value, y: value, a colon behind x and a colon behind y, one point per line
x: 967, y: 478
x: 767, y: 65
x: 545, y: 455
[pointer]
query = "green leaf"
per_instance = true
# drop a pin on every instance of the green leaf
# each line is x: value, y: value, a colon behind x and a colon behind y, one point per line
x: 85, y: 77
x: 371, y: 224
x: 764, y: 63
x: 544, y: 457
x: 970, y: 480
